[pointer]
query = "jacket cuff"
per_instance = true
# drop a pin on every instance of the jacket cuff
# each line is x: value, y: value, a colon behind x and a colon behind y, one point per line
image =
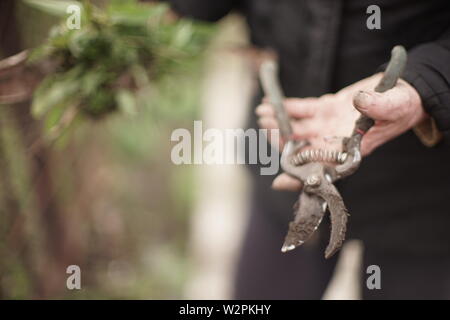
x: 428, y: 133
x: 433, y: 130
x: 427, y: 71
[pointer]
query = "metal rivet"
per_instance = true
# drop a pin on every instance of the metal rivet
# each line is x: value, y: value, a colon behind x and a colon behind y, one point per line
x: 313, y: 180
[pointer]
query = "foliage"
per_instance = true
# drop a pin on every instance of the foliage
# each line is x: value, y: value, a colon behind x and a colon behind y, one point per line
x: 118, y: 209
x: 113, y: 60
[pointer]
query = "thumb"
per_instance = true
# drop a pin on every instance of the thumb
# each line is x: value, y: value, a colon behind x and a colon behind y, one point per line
x: 378, y: 106
x: 284, y: 182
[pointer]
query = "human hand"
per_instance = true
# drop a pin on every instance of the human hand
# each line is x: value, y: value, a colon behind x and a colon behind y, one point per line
x: 334, y: 115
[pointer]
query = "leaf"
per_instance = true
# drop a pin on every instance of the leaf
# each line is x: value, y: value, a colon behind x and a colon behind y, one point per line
x: 54, y: 115
x: 51, y: 93
x: 140, y: 75
x: 53, y: 7
x: 127, y: 45
x: 130, y: 12
x: 183, y: 35
x: 91, y: 81
x: 126, y: 102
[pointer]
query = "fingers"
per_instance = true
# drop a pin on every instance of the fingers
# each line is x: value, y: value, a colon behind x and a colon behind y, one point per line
x: 368, y: 103
x: 268, y: 123
x: 389, y: 105
x: 386, y: 108
x: 265, y: 110
x: 284, y: 182
x: 301, y: 108
x: 378, y: 135
x: 271, y: 124
x: 295, y: 108
x: 302, y: 129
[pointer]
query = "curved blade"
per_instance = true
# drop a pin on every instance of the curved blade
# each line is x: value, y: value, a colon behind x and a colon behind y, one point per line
x: 338, y: 215
x: 309, y: 211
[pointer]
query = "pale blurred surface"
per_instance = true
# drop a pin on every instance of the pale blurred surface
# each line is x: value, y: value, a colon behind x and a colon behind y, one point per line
x: 220, y: 211
x: 345, y: 284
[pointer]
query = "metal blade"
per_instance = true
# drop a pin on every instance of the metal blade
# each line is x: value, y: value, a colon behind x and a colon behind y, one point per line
x: 309, y: 211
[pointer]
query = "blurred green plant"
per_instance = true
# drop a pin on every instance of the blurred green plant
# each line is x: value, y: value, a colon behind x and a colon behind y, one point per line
x: 113, y: 61
x: 122, y: 209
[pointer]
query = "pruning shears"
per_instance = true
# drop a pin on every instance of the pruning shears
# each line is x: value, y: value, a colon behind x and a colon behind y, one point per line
x: 318, y: 170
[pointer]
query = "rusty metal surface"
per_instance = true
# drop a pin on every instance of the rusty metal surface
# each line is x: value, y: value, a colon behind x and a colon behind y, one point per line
x: 318, y: 176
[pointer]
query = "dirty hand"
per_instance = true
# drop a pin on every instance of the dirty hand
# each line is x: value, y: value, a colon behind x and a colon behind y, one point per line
x: 334, y: 115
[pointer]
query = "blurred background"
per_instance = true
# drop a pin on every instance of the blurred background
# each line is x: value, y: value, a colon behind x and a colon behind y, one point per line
x: 110, y: 200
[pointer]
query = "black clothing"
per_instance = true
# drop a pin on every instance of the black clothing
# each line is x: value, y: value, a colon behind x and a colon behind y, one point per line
x: 398, y: 200
x: 266, y: 273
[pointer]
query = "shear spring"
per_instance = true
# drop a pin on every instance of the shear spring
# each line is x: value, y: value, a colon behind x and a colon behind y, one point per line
x: 319, y: 155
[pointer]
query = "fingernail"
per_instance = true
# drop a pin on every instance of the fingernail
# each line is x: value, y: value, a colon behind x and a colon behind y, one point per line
x: 261, y: 123
x: 258, y: 109
x: 263, y: 108
x: 362, y: 100
x: 277, y: 187
x: 276, y: 184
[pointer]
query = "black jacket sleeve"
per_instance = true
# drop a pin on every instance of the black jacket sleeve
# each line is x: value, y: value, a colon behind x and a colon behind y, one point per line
x: 207, y: 10
x: 428, y: 71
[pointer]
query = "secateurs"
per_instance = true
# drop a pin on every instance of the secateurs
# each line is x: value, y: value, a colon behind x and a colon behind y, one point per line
x: 319, y: 169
